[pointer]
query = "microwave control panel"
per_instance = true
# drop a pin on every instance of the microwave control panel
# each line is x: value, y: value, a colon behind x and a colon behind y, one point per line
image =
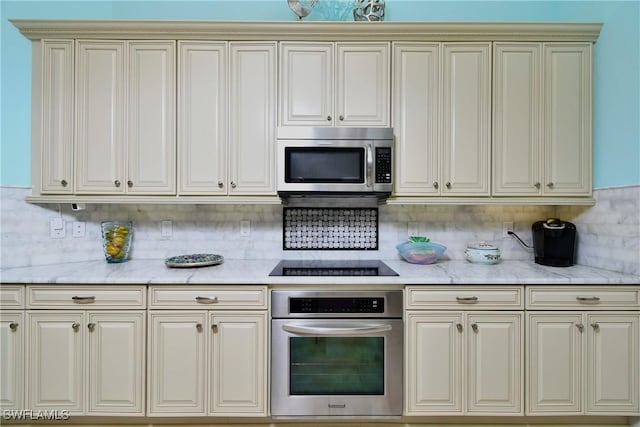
x: 383, y: 165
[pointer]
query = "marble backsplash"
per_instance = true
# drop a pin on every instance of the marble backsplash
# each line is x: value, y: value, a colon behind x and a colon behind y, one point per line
x: 608, y: 233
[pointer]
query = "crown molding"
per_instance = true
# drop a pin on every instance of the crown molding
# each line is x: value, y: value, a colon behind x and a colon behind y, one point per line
x: 35, y: 29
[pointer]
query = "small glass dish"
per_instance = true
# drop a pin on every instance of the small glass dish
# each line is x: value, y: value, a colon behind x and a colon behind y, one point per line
x: 116, y: 240
x: 421, y: 252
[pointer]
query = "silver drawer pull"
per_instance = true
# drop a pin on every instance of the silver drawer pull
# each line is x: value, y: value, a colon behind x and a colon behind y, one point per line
x: 206, y: 300
x: 588, y: 299
x: 474, y: 326
x: 459, y: 327
x: 91, y: 326
x: 595, y: 327
x: 83, y: 300
x: 337, y: 405
x: 467, y: 299
x: 199, y: 327
x: 580, y: 326
x: 13, y: 326
x: 75, y: 326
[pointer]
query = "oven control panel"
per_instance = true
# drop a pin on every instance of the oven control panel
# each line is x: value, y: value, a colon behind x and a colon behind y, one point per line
x: 336, y: 305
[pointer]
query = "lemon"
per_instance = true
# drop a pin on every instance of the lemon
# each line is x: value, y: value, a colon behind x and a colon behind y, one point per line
x: 112, y: 249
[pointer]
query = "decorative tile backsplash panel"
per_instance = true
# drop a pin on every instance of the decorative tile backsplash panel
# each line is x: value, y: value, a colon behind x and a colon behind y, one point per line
x: 330, y: 229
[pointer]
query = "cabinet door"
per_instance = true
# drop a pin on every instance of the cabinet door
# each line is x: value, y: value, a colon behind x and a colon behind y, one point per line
x: 12, y: 359
x: 202, y: 117
x: 516, y: 119
x: 57, y: 116
x: 416, y: 106
x: 176, y: 367
x: 495, y: 363
x: 56, y: 363
x: 362, y: 84
x: 151, y: 135
x: 238, y: 379
x: 100, y: 88
x: 252, y: 109
x: 466, y: 121
x: 116, y: 363
x: 434, y: 363
x: 567, y: 118
x: 554, y: 346
x: 613, y: 363
x: 306, y: 84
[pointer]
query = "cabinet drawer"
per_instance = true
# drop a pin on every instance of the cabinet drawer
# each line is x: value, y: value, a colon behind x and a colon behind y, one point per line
x: 467, y: 298
x: 581, y: 297
x: 88, y: 296
x: 211, y: 297
x: 12, y: 296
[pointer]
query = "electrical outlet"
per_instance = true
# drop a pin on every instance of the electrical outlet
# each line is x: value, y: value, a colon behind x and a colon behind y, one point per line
x: 507, y: 226
x: 79, y: 228
x: 412, y: 229
x: 56, y: 228
x: 245, y: 228
x: 166, y: 229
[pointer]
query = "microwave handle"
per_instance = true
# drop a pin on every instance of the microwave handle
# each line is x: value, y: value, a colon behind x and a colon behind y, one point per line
x: 347, y: 330
x: 369, y: 170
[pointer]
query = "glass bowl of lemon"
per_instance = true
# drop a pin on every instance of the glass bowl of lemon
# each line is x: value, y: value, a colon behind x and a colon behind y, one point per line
x: 116, y: 240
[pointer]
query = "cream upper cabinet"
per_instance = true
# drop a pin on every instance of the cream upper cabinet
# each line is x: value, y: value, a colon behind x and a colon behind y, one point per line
x: 12, y: 359
x: 252, y: 117
x: 542, y: 119
x: 122, y: 82
x: 100, y: 116
x: 567, y: 118
x: 334, y: 84
x: 466, y: 125
x: 416, y: 118
x: 151, y: 117
x: 202, y: 117
x: 56, y: 102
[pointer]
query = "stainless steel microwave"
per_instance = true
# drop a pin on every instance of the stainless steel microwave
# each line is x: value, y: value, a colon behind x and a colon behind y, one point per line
x: 334, y: 161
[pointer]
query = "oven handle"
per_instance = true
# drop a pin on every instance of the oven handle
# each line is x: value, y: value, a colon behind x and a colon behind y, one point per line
x: 369, y: 171
x: 348, y: 330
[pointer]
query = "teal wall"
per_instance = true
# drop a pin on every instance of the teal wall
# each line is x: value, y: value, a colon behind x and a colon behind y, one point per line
x: 616, y: 68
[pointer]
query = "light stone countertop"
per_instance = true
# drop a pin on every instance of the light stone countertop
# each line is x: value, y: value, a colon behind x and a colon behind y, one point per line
x: 252, y: 272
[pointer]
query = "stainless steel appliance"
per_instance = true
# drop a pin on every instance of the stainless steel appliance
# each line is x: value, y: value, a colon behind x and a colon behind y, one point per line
x: 336, y: 353
x: 334, y: 161
x: 554, y: 242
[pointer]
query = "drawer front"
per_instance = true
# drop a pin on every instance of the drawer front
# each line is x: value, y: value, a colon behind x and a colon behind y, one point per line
x: 12, y: 296
x: 583, y: 297
x: 208, y: 297
x: 465, y: 298
x: 89, y: 296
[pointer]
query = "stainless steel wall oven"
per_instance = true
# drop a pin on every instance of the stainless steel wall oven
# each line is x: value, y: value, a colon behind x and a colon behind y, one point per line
x: 336, y: 353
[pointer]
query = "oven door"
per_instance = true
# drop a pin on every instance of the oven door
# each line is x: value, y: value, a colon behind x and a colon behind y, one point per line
x: 336, y: 367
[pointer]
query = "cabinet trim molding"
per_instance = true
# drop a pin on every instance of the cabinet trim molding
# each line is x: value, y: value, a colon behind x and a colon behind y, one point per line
x: 36, y: 29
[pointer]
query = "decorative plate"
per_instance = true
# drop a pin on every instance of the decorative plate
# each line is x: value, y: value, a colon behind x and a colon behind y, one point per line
x: 194, y: 260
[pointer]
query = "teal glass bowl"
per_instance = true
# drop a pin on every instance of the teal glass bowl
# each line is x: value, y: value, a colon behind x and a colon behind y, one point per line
x: 421, y: 252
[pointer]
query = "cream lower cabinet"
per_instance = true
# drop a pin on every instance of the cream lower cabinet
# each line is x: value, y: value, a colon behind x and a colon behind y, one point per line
x: 209, y: 359
x: 584, y: 359
x: 86, y: 361
x: 542, y: 115
x: 12, y: 355
x: 463, y: 361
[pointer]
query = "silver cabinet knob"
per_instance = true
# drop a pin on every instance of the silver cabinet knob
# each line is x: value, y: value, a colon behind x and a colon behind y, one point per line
x: 341, y: 117
x: 13, y: 326
x: 580, y: 327
x: 75, y: 326
x: 328, y: 118
x: 64, y: 183
x: 116, y: 183
x: 199, y: 327
x: 214, y: 328
x: 130, y: 183
x: 550, y: 185
x: 448, y: 185
x: 537, y: 185
x: 459, y: 327
x: 595, y: 327
x: 474, y: 326
x: 91, y: 326
x: 220, y: 184
x: 233, y: 184
x: 436, y: 185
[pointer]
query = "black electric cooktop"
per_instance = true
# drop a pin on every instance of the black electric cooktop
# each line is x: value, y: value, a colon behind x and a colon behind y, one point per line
x: 332, y: 268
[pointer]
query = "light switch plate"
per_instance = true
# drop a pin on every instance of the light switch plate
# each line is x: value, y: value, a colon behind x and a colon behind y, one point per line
x: 56, y: 228
x: 412, y: 229
x: 245, y: 228
x: 506, y: 227
x: 79, y: 228
x: 166, y: 229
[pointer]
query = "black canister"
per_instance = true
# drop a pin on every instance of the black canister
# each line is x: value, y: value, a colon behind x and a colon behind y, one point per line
x: 554, y: 242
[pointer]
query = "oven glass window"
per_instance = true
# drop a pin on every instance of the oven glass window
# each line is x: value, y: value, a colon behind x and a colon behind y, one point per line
x: 319, y: 165
x: 336, y: 365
